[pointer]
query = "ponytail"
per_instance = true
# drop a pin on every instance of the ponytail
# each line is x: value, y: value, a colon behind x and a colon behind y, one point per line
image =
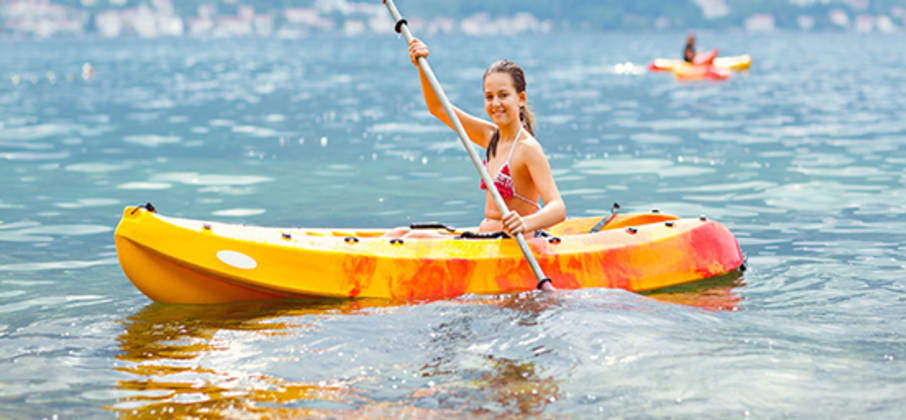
x: 528, y: 119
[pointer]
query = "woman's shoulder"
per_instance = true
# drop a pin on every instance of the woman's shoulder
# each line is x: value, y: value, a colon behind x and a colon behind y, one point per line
x: 531, y: 148
x: 529, y: 142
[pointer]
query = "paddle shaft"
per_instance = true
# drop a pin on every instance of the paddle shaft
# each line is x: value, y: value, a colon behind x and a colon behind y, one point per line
x: 403, y: 28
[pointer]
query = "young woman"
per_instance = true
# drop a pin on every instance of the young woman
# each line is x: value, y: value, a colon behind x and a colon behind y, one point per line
x: 514, y: 159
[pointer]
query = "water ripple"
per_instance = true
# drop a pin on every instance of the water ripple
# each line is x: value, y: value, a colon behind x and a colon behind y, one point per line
x: 37, y: 233
x: 238, y: 212
x: 34, y: 132
x: 144, y: 186
x: 97, y: 167
x: 151, y: 140
x: 194, y: 178
x: 89, y: 202
x: 29, y: 156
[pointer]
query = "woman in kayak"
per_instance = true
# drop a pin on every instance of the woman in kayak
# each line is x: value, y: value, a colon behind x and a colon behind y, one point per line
x: 691, y: 57
x: 689, y: 50
x: 514, y: 159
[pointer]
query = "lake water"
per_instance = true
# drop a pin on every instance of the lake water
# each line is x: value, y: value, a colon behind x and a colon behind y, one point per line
x: 803, y: 157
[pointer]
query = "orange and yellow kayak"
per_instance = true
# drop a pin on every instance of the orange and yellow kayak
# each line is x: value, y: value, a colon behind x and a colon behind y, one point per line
x: 739, y: 62
x: 179, y: 260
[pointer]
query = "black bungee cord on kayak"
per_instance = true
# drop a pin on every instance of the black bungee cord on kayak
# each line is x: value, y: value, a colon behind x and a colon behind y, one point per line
x: 483, y: 235
x: 432, y: 225
x: 473, y: 235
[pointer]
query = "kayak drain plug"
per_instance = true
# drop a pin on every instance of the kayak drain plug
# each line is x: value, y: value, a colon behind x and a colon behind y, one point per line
x: 668, y: 224
x: 350, y: 239
x: 286, y: 235
x: 632, y: 230
x: 702, y: 218
x: 396, y: 241
x: 206, y: 226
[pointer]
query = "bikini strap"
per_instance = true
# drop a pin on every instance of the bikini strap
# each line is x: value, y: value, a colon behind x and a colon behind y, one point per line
x: 513, y: 147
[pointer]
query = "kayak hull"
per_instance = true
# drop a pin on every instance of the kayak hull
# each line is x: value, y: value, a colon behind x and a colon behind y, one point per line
x: 685, y: 71
x: 737, y: 63
x: 177, y: 260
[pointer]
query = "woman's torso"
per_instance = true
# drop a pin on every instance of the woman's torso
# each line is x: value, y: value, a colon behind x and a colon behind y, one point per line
x: 522, y: 182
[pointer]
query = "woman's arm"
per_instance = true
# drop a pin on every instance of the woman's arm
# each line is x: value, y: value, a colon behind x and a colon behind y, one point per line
x: 478, y: 130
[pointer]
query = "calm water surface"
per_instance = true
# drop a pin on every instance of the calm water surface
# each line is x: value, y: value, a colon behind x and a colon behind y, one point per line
x: 803, y: 158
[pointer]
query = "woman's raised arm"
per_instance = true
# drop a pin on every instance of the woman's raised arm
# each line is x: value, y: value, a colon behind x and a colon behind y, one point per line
x: 478, y: 130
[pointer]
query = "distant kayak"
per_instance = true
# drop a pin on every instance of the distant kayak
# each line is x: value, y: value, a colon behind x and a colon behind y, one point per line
x: 739, y: 62
x: 177, y: 260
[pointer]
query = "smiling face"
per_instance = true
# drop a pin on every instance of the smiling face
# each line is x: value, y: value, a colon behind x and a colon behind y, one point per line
x: 501, y: 100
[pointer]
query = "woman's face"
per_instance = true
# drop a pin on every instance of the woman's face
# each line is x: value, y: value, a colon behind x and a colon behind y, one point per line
x: 501, y: 100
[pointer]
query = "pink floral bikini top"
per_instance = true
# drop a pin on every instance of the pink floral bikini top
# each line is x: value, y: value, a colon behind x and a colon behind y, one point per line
x: 504, y: 180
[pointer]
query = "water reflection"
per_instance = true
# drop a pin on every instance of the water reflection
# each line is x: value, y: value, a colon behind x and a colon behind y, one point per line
x: 518, y: 385
x: 715, y: 294
x: 487, y: 379
x: 207, y: 360
x: 504, y: 387
x: 164, y: 346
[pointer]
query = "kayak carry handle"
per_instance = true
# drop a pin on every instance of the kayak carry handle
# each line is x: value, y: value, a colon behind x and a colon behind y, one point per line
x: 604, y: 221
x: 147, y: 206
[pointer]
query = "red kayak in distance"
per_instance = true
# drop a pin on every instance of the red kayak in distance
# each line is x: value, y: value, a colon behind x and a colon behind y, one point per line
x: 704, y: 66
x: 686, y: 71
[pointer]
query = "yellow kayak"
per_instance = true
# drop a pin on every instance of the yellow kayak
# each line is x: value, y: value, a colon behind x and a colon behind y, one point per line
x: 179, y: 260
x: 738, y: 62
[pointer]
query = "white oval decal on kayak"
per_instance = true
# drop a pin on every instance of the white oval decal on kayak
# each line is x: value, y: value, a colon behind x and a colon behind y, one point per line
x: 237, y: 259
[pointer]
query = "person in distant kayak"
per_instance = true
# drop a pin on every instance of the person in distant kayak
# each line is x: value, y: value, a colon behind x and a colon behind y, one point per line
x: 691, y: 57
x: 514, y: 158
x: 689, y: 51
